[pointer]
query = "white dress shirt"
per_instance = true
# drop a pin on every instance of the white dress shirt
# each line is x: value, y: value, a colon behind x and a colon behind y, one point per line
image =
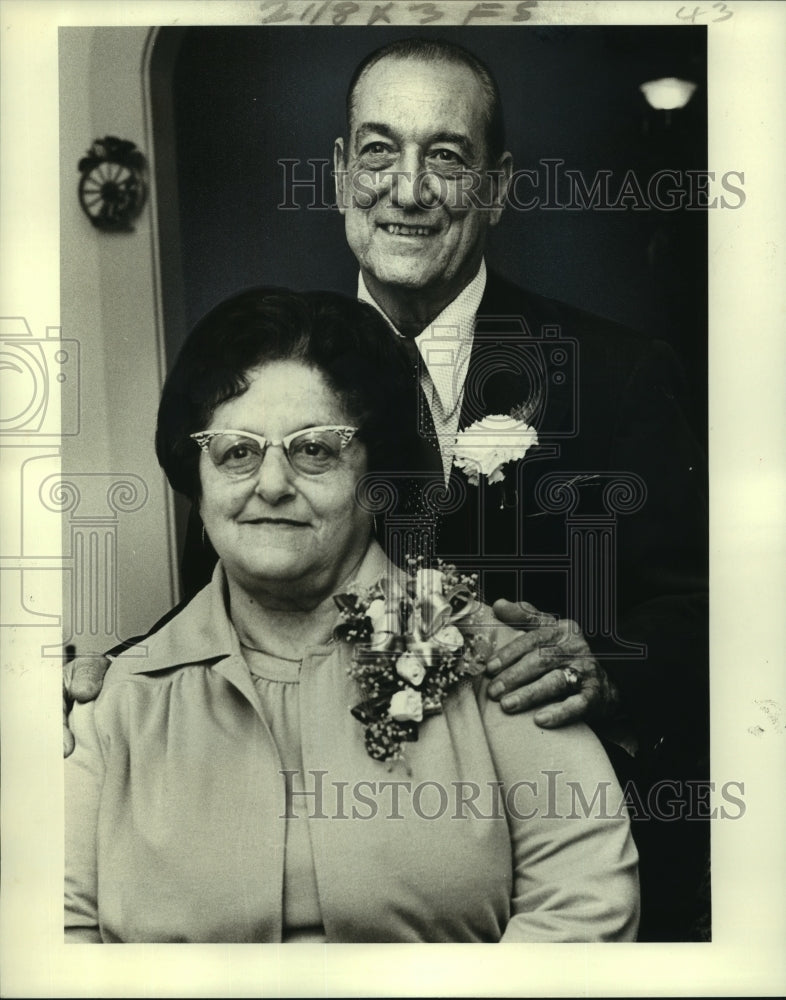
x: 445, y: 346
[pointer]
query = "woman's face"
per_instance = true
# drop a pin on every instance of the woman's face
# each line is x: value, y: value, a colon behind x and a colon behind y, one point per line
x: 279, y: 526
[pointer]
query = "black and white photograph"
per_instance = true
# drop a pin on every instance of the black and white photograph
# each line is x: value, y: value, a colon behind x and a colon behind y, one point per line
x: 383, y: 494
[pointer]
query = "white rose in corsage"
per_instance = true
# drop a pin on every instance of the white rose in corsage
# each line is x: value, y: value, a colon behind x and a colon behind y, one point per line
x: 384, y: 622
x: 410, y: 667
x: 486, y: 446
x: 450, y: 638
x: 406, y: 706
x: 377, y: 611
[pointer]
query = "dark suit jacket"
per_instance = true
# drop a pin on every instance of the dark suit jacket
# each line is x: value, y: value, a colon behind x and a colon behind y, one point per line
x: 607, y: 517
x: 605, y: 522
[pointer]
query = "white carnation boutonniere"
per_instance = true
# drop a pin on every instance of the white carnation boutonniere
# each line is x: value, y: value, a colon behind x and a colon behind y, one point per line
x: 485, y: 447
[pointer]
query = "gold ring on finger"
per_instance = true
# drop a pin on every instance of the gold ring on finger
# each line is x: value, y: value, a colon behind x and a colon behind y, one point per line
x: 572, y: 679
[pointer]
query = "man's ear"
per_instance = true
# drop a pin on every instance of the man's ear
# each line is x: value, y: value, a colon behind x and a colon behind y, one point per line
x: 500, y: 182
x: 340, y: 174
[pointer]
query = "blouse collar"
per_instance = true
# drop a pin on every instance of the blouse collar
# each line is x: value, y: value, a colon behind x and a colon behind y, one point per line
x: 203, y: 632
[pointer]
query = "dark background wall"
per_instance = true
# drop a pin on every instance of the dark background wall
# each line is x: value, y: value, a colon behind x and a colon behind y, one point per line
x: 231, y: 102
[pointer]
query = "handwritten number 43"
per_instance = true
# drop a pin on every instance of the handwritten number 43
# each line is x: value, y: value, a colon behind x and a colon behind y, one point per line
x: 722, y: 9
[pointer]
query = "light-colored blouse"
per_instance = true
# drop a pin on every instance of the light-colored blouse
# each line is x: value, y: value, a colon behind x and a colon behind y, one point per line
x: 180, y: 807
x: 276, y: 682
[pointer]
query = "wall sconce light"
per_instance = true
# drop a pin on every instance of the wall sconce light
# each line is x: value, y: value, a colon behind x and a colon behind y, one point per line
x: 112, y: 187
x: 668, y: 93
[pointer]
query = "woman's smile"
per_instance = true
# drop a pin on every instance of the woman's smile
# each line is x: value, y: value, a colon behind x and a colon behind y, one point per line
x: 278, y: 522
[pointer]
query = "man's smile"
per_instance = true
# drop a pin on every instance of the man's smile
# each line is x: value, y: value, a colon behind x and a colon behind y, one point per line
x: 398, y: 229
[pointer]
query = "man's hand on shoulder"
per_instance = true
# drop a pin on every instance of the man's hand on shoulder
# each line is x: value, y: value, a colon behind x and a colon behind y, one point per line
x: 549, y: 664
x: 83, y: 679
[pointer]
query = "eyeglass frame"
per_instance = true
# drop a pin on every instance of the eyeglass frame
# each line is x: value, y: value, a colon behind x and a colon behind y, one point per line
x: 344, y: 432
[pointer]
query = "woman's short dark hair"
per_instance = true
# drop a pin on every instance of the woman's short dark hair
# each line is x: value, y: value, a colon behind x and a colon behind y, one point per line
x: 347, y: 341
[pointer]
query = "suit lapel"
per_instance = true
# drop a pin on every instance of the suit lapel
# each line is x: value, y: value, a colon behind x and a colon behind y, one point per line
x: 516, y: 361
x: 516, y: 365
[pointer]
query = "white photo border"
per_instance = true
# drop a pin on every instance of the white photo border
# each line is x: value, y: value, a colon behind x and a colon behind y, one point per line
x: 747, y: 293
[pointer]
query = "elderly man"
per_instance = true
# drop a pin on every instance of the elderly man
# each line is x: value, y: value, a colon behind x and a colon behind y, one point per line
x: 421, y: 177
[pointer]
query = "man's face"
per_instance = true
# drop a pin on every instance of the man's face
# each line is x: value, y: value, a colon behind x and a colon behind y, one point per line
x: 418, y: 193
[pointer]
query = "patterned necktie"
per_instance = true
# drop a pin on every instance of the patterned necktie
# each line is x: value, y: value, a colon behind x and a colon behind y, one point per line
x: 431, y: 459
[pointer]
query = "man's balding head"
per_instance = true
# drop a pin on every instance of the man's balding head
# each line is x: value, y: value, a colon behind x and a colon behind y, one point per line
x: 440, y: 51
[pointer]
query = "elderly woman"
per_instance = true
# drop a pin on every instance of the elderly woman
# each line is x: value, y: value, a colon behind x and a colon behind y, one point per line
x: 221, y: 788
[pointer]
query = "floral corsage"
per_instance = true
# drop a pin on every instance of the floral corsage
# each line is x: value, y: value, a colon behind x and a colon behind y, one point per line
x: 413, y: 643
x: 485, y: 447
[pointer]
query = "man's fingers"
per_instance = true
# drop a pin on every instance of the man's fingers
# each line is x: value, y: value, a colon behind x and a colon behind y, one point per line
x: 84, y: 676
x: 560, y: 640
x: 68, y: 741
x: 68, y: 736
x: 550, y: 687
x: 522, y: 673
x: 521, y: 613
x: 521, y: 646
x: 572, y: 709
x: 82, y: 681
